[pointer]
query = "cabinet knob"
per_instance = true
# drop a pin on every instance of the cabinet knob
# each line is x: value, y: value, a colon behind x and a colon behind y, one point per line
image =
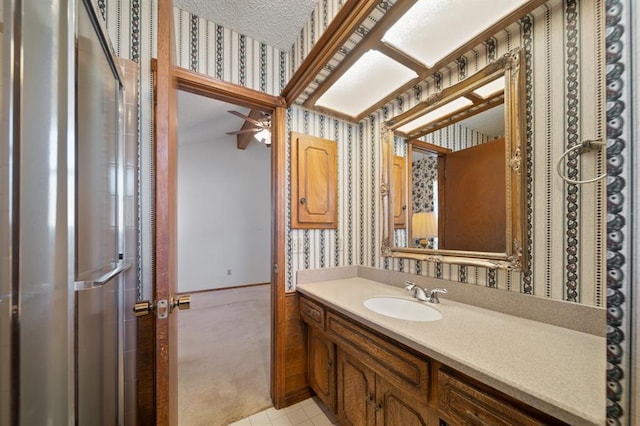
x: 369, y: 399
x: 303, y: 200
x: 378, y: 407
x: 329, y: 364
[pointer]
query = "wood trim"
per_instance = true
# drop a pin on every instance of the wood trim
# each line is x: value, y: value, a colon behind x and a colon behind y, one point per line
x: 371, y: 40
x: 145, y: 361
x: 426, y: 146
x: 292, y: 355
x: 165, y: 218
x: 343, y: 25
x: 278, y: 247
x: 297, y: 396
x: 206, y: 86
x: 399, y: 56
x: 201, y: 84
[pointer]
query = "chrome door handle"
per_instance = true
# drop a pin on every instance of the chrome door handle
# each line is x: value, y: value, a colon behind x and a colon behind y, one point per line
x: 99, y: 282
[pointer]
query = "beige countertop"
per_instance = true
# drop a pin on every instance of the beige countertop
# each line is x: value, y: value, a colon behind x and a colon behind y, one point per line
x: 556, y: 370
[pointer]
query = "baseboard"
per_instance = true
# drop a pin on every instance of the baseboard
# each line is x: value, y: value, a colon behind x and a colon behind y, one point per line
x: 297, y: 396
x: 207, y: 290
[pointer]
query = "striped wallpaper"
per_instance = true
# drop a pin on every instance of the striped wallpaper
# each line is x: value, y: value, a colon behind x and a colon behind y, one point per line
x: 208, y: 48
x: 565, y: 104
x: 320, y: 18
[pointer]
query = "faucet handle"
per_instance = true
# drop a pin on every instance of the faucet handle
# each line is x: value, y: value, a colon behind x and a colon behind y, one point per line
x: 433, y: 295
x: 408, y: 285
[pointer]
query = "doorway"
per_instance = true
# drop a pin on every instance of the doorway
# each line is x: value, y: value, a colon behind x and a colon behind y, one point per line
x: 223, y: 261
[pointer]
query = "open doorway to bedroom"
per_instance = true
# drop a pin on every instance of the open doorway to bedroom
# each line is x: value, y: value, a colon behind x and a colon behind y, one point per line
x: 223, y: 261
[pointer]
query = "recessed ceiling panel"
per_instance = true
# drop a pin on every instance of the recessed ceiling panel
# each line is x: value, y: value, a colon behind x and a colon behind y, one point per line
x: 490, y: 89
x: 432, y: 29
x: 366, y: 82
x: 448, y: 108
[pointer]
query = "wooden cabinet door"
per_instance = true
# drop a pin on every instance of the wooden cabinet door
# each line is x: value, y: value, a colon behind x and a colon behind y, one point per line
x: 322, y: 368
x: 314, y: 181
x: 393, y: 407
x: 356, y: 392
x: 399, y: 192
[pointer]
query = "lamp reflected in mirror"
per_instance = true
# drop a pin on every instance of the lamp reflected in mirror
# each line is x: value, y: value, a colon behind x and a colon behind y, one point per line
x: 425, y: 229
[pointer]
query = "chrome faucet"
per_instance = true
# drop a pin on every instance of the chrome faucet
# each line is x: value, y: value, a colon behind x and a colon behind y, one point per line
x: 417, y: 292
x: 421, y: 293
x: 433, y: 295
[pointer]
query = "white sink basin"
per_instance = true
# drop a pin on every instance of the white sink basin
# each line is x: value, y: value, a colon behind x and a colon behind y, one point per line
x: 405, y: 309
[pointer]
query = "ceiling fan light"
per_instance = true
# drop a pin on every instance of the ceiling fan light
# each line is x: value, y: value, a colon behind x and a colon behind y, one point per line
x: 264, y: 136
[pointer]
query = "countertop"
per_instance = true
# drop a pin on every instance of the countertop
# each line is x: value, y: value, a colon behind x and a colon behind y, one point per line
x: 556, y: 370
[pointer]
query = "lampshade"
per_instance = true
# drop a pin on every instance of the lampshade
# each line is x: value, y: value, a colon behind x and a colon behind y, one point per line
x: 425, y: 225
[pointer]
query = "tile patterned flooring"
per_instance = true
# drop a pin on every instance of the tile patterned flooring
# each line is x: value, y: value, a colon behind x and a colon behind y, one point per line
x: 310, y: 412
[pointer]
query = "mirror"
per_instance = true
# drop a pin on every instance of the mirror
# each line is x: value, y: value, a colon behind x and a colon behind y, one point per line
x: 453, y: 173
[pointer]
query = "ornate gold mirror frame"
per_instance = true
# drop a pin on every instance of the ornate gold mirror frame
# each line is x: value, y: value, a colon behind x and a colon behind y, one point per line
x: 513, y: 258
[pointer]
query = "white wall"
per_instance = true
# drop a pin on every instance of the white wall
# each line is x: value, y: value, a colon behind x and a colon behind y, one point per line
x: 224, y: 213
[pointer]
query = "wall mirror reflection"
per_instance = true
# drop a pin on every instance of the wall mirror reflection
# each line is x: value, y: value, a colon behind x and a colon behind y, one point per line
x: 453, y: 173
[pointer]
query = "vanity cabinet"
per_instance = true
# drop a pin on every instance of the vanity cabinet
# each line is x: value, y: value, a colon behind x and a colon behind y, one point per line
x: 356, y: 392
x: 367, y: 378
x: 460, y: 402
x: 321, y: 353
x: 366, y: 398
x: 322, y: 367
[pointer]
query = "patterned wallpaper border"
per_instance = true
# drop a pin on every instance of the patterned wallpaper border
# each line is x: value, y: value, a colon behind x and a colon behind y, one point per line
x: 619, y: 196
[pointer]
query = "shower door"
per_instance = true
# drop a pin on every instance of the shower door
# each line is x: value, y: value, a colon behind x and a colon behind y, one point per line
x: 98, y: 224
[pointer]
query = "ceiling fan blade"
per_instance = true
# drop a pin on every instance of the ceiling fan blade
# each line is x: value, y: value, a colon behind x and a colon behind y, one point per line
x: 237, y: 132
x: 244, y: 117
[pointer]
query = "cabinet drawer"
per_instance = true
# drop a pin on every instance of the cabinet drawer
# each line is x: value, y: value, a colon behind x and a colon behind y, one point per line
x: 462, y: 403
x: 312, y: 313
x: 408, y: 372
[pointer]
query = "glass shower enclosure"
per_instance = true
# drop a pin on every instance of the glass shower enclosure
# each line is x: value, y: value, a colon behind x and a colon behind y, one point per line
x: 61, y: 215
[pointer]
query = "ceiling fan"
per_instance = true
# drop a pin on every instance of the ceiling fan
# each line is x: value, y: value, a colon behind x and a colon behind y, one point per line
x: 257, y: 125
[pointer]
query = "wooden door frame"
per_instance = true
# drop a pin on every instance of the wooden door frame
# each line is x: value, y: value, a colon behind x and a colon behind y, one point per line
x: 152, y: 368
x: 203, y: 85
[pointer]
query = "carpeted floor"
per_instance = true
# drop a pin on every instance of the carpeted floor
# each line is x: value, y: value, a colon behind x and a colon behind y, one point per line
x: 224, y: 356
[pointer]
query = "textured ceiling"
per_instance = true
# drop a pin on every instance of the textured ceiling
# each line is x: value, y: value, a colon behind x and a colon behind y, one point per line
x: 274, y: 22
